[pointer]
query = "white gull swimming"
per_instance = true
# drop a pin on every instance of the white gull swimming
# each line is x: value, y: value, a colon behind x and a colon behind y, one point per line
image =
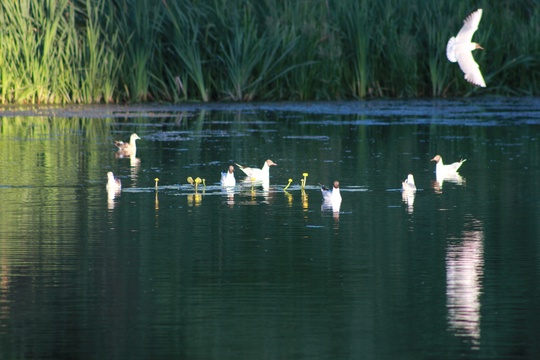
x: 258, y: 175
x: 446, y: 170
x: 227, y: 178
x: 331, y: 197
x: 408, y: 184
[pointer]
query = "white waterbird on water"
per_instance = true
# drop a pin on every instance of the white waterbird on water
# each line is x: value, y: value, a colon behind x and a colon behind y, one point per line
x: 446, y: 170
x: 331, y: 197
x: 408, y: 184
x: 257, y: 175
x: 227, y: 178
x: 460, y: 47
x: 113, y: 183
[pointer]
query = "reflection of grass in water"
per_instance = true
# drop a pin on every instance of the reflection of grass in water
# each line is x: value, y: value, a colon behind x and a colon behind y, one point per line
x: 44, y: 152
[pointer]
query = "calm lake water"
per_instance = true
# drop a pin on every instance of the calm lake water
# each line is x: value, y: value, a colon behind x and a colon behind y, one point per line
x: 451, y: 272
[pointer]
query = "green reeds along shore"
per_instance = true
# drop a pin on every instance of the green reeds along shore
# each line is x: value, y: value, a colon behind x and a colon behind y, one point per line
x: 99, y: 51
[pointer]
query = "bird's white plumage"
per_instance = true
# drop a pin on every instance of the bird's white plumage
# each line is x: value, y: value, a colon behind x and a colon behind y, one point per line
x: 113, y: 184
x: 445, y: 170
x: 227, y: 178
x: 254, y: 174
x: 460, y: 47
x: 408, y: 184
x: 331, y: 198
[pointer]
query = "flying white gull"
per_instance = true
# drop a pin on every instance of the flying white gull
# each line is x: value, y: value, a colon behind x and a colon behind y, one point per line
x: 460, y: 47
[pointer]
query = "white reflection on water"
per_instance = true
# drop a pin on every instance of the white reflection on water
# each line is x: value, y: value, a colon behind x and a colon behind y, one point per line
x: 135, y: 164
x: 437, y: 185
x: 248, y: 183
x: 112, y: 193
x: 229, y: 192
x: 408, y: 198
x: 464, y: 274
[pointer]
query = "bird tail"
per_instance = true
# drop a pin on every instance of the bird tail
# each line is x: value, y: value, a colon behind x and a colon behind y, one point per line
x: 323, y: 187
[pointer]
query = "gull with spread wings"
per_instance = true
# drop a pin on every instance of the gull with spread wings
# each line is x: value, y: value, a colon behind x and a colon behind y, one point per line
x: 460, y: 49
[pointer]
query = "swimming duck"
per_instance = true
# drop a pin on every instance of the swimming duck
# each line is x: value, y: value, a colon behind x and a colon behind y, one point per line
x: 227, y: 178
x: 256, y: 175
x: 127, y: 149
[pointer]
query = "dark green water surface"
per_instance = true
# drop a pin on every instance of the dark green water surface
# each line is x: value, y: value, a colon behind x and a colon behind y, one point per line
x: 450, y: 273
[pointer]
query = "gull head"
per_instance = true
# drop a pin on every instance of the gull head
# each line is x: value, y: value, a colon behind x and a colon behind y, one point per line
x: 270, y: 163
x: 437, y: 158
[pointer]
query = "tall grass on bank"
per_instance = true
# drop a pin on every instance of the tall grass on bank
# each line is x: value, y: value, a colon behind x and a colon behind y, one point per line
x: 356, y: 37
x: 31, y: 40
x: 99, y: 51
x: 248, y: 55
x: 190, y: 30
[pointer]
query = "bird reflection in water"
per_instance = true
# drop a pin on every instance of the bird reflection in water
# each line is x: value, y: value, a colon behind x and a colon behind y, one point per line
x: 135, y: 165
x: 229, y: 193
x: 464, y: 275
x: 408, y: 199
x: 114, y: 189
x: 455, y: 178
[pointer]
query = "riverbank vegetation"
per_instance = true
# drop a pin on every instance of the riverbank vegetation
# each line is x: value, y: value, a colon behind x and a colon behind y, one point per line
x: 100, y: 51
